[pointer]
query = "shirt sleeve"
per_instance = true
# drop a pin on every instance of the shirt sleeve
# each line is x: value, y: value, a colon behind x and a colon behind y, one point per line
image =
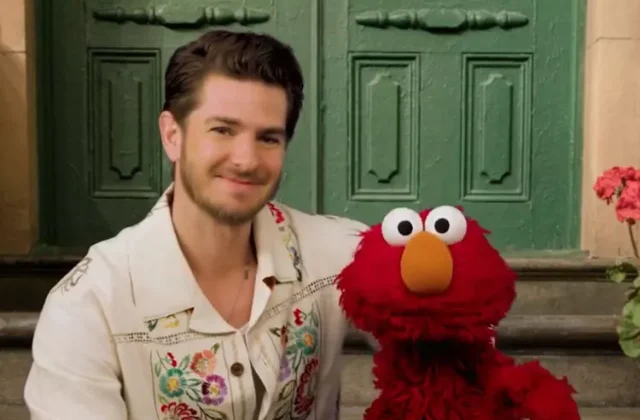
x: 75, y: 372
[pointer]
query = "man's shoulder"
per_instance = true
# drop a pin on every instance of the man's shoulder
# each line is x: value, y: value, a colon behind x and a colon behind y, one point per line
x: 329, y: 240
x: 98, y: 273
x: 326, y: 225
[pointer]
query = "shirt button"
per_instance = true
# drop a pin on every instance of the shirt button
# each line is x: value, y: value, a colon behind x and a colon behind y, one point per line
x: 237, y: 369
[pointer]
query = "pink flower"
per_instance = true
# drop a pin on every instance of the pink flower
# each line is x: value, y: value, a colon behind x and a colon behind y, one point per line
x: 611, y: 182
x: 628, y: 205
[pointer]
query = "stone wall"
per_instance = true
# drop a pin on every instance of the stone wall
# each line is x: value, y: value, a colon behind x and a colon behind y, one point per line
x: 18, y: 167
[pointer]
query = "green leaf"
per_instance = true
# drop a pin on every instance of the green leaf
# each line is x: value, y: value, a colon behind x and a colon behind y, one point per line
x: 636, y: 282
x: 215, y: 348
x: 616, y: 274
x: 193, y: 395
x: 287, y: 390
x: 158, y: 368
x: 213, y: 414
x: 185, y: 362
x: 163, y: 400
x: 194, y: 382
x: 635, y: 312
x: 629, y: 268
x: 630, y: 343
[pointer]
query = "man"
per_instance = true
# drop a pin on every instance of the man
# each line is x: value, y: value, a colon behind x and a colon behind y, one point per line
x: 220, y: 304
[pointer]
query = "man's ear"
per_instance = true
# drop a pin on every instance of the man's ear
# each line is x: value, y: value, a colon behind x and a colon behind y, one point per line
x: 171, y: 135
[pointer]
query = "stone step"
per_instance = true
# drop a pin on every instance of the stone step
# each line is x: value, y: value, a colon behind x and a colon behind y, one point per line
x: 534, y: 331
x: 602, y: 379
x: 19, y: 412
x: 552, y: 286
x: 356, y: 413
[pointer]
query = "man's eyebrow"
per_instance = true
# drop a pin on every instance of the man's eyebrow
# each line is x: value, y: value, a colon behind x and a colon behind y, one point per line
x: 225, y: 120
x: 277, y: 131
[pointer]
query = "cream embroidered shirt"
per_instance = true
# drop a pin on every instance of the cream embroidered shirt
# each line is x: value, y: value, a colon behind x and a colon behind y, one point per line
x: 128, y: 334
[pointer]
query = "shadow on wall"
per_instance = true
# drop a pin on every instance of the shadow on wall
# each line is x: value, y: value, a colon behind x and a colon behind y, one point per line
x: 17, y: 156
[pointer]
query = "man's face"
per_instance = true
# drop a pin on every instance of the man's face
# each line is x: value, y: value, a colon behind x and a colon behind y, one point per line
x: 232, y: 148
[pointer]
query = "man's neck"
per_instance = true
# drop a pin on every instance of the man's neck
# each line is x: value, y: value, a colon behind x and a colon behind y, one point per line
x: 212, y: 249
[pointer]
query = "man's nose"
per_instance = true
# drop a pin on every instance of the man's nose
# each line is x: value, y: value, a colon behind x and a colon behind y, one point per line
x: 244, y: 152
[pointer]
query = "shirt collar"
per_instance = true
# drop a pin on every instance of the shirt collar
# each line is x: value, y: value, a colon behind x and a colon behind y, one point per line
x: 162, y: 281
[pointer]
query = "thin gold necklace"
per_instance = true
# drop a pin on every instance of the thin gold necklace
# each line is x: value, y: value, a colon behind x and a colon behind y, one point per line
x: 246, y: 277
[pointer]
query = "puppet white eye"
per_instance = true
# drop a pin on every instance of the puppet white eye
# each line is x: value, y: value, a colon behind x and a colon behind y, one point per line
x: 399, y: 225
x: 448, y: 223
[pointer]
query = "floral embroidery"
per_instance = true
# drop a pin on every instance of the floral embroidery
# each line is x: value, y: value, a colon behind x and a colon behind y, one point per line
x: 214, y: 390
x: 171, y: 322
x: 191, y: 377
x: 307, y: 340
x: 299, y: 364
x: 173, y: 383
x: 178, y: 411
x: 73, y: 277
x: 289, y: 238
x: 276, y: 213
x: 203, y: 363
x: 285, y: 368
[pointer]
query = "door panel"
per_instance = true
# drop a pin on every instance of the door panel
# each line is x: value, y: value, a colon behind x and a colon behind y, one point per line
x: 462, y: 103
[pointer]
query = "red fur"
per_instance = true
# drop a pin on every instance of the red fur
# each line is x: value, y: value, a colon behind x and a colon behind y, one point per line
x: 436, y: 360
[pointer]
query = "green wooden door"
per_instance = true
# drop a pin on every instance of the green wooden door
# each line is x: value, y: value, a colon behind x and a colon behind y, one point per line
x: 458, y: 102
x: 407, y: 103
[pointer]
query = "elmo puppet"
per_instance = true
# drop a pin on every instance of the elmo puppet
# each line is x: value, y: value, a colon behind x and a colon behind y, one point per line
x: 431, y: 289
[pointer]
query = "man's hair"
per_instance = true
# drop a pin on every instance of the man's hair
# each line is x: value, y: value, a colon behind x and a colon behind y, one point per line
x: 241, y: 55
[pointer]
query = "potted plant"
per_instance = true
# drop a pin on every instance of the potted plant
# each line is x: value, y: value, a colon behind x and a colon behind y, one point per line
x: 621, y: 186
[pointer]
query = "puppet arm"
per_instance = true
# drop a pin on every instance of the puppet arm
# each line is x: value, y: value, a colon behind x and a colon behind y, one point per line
x: 529, y: 391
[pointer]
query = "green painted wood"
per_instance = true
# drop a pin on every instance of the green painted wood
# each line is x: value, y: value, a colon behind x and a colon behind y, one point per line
x: 478, y: 109
x: 407, y: 103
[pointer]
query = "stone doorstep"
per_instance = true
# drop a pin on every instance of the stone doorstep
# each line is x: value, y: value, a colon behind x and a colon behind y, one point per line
x: 19, y: 412
x: 535, y: 331
x: 356, y: 413
x: 601, y: 379
x: 515, y: 330
x: 553, y: 286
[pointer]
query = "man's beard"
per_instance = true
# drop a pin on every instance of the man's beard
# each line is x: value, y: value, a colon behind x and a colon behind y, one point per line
x: 219, y: 213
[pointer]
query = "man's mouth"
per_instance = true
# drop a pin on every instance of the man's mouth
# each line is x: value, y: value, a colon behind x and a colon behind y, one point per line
x: 240, y: 181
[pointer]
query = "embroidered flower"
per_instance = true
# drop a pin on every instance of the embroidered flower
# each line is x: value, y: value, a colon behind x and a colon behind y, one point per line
x: 283, y: 336
x: 178, y: 411
x: 297, y: 313
x: 306, y: 340
x: 276, y: 213
x: 203, y: 363
x: 302, y: 402
x: 214, y: 390
x: 172, y: 359
x: 173, y: 383
x: 171, y: 321
x: 285, y: 368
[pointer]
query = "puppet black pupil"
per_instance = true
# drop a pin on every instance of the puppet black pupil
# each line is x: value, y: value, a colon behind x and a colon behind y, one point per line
x: 442, y: 225
x: 405, y: 228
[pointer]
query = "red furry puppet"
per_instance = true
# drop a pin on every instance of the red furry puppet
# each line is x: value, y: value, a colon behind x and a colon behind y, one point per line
x: 431, y: 289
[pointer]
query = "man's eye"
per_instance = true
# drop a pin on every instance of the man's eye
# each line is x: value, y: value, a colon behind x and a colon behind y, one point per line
x: 222, y: 130
x: 272, y: 140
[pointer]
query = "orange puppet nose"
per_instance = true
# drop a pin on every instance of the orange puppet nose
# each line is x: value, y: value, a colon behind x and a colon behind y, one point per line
x: 426, y: 264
